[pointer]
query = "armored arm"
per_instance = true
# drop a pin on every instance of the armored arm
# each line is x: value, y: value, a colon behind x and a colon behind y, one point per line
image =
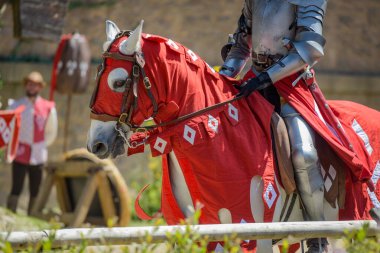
x: 307, y: 46
x: 236, y: 53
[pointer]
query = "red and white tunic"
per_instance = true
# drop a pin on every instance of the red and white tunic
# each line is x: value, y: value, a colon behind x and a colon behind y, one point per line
x: 38, y: 130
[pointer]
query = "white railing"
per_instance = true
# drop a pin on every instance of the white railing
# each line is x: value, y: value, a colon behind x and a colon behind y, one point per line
x: 217, y: 232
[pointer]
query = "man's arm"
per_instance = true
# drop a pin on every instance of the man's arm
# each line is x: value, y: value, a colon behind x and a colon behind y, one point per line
x: 307, y: 47
x: 305, y: 50
x: 51, y: 127
x: 237, y: 52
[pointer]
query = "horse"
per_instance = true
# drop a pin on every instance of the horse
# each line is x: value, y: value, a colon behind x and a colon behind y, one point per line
x: 216, y: 148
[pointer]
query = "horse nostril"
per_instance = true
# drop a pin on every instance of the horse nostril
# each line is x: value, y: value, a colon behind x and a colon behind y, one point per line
x: 99, y: 148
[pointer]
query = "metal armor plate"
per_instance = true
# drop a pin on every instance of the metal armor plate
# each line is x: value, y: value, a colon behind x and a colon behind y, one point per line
x: 271, y: 22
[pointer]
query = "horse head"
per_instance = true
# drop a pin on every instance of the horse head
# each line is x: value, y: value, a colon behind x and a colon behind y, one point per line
x: 146, y: 76
x: 116, y: 94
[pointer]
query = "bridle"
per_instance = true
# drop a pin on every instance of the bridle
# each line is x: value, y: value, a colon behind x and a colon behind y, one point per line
x: 130, y: 93
x: 129, y: 101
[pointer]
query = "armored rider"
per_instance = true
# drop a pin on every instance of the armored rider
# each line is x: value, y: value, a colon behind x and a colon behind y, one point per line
x: 284, y: 37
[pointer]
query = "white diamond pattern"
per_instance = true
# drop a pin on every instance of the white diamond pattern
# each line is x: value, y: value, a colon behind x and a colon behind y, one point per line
x: 233, y: 112
x: 270, y: 195
x: 213, y: 123
x: 189, y: 134
x: 6, y: 135
x: 172, y: 44
x: 193, y: 56
x: 323, y: 172
x: 363, y: 135
x: 71, y: 66
x: 3, y: 125
x: 376, y: 173
x: 160, y: 145
x: 219, y: 248
x: 328, y: 176
x: 5, y: 131
x: 332, y: 172
x: 328, y: 183
x: 375, y: 177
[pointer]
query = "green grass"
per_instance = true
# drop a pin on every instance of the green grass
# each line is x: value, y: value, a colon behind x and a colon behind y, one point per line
x: 10, y: 221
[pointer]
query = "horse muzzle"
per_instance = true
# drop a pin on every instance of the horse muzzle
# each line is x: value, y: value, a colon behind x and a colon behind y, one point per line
x: 104, y: 141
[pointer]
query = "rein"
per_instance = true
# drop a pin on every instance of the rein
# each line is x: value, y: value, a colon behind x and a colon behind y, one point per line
x: 129, y: 101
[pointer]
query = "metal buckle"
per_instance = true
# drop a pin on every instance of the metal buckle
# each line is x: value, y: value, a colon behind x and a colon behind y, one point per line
x: 140, y: 60
x: 135, y: 70
x: 123, y: 118
x: 147, y: 83
x: 262, y: 59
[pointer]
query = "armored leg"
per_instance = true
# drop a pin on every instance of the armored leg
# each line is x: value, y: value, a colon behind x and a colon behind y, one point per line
x: 307, y: 170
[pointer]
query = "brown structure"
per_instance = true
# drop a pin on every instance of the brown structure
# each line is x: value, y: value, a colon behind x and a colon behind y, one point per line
x: 39, y: 19
x: 89, y: 190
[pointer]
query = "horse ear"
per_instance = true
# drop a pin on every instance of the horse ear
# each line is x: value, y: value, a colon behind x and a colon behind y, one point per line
x: 133, y: 43
x: 111, y: 30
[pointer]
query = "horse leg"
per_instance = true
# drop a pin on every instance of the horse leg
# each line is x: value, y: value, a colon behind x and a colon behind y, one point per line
x: 180, y: 190
x: 257, y: 209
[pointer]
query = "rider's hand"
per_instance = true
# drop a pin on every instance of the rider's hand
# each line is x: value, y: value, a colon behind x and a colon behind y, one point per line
x: 257, y: 83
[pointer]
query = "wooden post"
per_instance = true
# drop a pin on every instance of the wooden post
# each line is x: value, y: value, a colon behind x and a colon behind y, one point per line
x: 63, y: 195
x: 85, y: 201
x: 108, y: 206
x: 67, y: 123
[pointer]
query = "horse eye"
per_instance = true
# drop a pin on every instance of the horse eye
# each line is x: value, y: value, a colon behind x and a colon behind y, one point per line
x: 118, y: 84
x: 117, y: 79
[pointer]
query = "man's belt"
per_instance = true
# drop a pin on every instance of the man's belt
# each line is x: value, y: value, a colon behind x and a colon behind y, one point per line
x: 265, y: 60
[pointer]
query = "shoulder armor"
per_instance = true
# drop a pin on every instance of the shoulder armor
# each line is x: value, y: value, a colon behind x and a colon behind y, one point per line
x: 322, y: 4
x: 309, y: 41
x: 310, y: 14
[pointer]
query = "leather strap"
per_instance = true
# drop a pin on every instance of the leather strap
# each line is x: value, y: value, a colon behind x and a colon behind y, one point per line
x: 129, y: 101
x: 103, y: 117
x: 188, y: 116
x: 118, y: 56
x: 265, y: 60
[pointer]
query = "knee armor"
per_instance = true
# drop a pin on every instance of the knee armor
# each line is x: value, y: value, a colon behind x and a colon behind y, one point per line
x: 304, y: 155
x: 307, y: 169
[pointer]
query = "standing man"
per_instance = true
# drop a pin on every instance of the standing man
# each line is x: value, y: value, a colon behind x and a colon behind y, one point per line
x: 284, y: 37
x: 38, y: 130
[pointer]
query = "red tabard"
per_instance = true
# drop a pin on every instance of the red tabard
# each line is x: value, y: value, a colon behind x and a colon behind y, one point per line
x: 9, y: 131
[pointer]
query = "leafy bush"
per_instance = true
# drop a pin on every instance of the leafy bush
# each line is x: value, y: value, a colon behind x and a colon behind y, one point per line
x: 358, y: 241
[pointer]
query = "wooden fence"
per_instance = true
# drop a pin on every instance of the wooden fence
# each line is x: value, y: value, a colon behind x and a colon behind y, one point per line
x: 128, y: 235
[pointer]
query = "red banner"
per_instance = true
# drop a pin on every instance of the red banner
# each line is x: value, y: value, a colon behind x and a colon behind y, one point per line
x: 10, y: 121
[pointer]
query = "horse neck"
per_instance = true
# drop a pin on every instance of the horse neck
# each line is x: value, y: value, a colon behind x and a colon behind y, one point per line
x: 186, y: 81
